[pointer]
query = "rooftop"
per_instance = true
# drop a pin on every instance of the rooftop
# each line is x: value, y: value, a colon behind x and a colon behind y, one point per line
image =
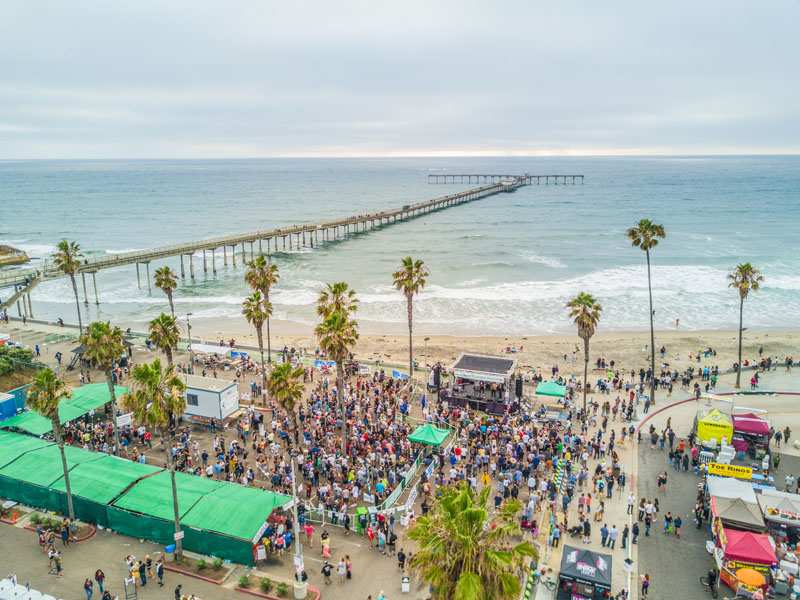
x: 483, y: 363
x: 207, y: 383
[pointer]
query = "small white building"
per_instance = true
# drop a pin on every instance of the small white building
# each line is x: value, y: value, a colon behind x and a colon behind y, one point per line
x: 210, y: 398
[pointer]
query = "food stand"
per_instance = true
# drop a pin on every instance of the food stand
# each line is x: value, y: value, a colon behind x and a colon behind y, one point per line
x: 751, y: 435
x: 739, y: 551
x: 736, y: 513
x: 584, y: 575
x: 712, y: 426
x: 782, y: 515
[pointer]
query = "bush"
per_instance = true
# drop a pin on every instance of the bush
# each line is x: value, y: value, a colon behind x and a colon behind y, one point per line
x: 244, y: 581
x: 266, y: 585
x: 202, y: 565
x: 283, y: 590
x: 36, y: 518
x: 217, y: 564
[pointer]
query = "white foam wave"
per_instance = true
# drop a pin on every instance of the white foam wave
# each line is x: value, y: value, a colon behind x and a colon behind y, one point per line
x: 31, y: 249
x: 124, y: 251
x: 547, y: 261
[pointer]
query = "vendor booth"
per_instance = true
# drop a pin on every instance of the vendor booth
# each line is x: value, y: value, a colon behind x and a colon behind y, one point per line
x: 552, y: 389
x: 742, y: 552
x: 429, y: 435
x: 482, y: 383
x: 712, y: 426
x: 585, y: 575
x: 735, y: 512
x: 751, y: 435
x: 782, y: 514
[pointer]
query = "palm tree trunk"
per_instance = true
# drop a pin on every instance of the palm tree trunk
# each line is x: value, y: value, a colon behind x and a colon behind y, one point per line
x: 585, y: 371
x: 739, y: 370
x: 67, y: 486
x: 410, y: 338
x: 269, y: 342
x: 340, y: 390
x: 175, y: 509
x: 260, y: 336
x: 77, y: 303
x: 652, y: 337
x: 171, y: 303
x: 168, y: 352
x: 110, y: 381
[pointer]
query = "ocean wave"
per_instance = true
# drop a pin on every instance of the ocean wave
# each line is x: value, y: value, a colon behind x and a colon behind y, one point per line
x: 547, y: 261
x: 31, y: 249
x: 124, y: 251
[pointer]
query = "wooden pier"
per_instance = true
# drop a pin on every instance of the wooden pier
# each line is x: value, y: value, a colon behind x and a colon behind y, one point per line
x: 245, y: 246
x: 525, y: 179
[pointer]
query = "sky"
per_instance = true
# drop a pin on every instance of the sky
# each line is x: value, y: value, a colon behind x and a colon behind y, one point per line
x: 211, y: 79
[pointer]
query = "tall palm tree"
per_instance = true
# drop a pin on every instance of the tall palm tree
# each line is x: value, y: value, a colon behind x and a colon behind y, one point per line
x: 286, y: 386
x: 337, y: 336
x: 257, y: 310
x: 67, y: 259
x: 157, y: 400
x: 165, y: 335
x: 410, y: 279
x: 261, y: 275
x: 466, y: 554
x: 337, y: 297
x: 45, y: 394
x: 645, y: 235
x: 167, y: 282
x: 585, y: 311
x: 745, y: 278
x: 103, y: 345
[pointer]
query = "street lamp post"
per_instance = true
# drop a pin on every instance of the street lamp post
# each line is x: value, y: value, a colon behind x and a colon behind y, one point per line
x: 300, y: 586
x: 189, y: 333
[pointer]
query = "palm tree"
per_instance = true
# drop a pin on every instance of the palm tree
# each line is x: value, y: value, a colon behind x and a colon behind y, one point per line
x: 585, y: 311
x: 45, y: 394
x: 261, y: 275
x: 257, y: 310
x: 67, y: 259
x: 464, y: 553
x: 337, y: 297
x: 164, y: 334
x: 410, y: 279
x: 745, y: 278
x: 337, y: 336
x: 167, y: 282
x: 157, y: 400
x: 103, y: 345
x: 645, y: 235
x: 286, y: 386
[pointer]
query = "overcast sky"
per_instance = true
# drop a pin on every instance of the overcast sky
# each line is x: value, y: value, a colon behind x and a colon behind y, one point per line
x: 199, y: 78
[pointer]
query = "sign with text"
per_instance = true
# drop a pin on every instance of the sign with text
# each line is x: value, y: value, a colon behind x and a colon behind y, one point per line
x: 723, y: 470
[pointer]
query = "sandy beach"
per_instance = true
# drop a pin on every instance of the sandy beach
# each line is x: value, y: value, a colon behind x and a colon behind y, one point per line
x: 629, y: 349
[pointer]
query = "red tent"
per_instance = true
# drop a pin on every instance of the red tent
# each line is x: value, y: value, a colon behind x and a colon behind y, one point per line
x: 745, y: 546
x: 750, y: 424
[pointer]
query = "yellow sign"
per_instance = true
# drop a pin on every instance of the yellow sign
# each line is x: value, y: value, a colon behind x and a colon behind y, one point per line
x: 724, y: 470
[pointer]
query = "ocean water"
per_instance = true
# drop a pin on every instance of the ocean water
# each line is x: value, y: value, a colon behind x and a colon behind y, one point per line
x: 502, y: 265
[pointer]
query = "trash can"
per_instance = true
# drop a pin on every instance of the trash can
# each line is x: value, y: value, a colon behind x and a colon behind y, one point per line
x: 405, y: 584
x: 362, y: 520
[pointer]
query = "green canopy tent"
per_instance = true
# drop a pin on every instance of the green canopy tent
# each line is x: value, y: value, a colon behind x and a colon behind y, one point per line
x: 96, y: 484
x: 82, y: 401
x: 28, y: 478
x: 13, y: 445
x: 429, y: 435
x: 551, y: 388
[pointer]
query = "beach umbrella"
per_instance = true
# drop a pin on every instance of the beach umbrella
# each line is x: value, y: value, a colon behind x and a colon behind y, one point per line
x: 750, y: 578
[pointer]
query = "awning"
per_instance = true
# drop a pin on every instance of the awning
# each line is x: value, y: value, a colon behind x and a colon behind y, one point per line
x: 580, y: 564
x: 210, y: 349
x: 714, y: 425
x: 780, y: 507
x: 83, y: 400
x: 728, y: 487
x: 551, y: 388
x: 737, y: 513
x: 750, y: 424
x: 481, y: 367
x: 746, y: 546
x: 429, y: 435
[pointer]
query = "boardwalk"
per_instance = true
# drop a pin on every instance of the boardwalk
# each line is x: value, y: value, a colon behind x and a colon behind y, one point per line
x: 248, y: 245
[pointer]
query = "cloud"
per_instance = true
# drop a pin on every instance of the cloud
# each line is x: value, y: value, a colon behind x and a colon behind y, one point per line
x: 204, y: 79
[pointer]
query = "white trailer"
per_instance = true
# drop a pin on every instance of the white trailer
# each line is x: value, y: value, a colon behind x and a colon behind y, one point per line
x: 210, y: 398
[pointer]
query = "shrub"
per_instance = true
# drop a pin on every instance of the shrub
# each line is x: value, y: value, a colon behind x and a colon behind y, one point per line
x: 283, y: 590
x: 244, y: 581
x: 266, y: 585
x: 36, y: 518
x: 202, y: 565
x: 217, y: 564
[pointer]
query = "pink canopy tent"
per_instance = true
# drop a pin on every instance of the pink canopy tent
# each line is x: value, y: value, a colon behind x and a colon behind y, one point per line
x: 745, y: 546
x: 750, y: 424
